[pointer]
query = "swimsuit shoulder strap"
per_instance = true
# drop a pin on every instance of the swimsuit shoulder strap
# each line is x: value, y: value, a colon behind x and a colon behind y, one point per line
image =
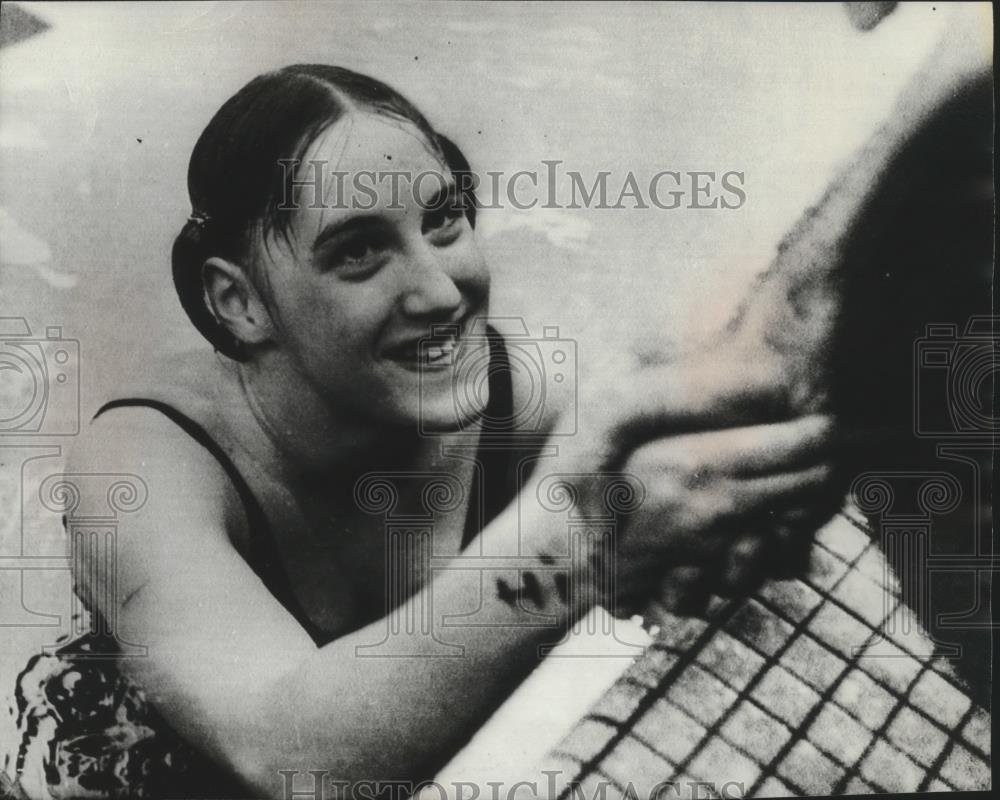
x: 263, y: 556
x: 495, y: 459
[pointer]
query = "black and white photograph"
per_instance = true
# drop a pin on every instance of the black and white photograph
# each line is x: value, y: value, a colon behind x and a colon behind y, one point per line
x: 496, y: 400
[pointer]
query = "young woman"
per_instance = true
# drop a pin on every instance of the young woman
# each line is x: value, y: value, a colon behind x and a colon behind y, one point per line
x: 254, y: 571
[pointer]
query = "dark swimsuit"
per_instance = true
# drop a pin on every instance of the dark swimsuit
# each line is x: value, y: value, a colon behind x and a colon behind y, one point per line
x: 108, y: 741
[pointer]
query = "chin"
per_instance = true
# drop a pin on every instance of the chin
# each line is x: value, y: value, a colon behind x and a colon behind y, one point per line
x: 447, y: 411
x: 441, y: 407
x: 449, y: 398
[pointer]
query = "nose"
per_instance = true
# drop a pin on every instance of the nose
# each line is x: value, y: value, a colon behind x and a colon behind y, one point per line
x: 430, y: 288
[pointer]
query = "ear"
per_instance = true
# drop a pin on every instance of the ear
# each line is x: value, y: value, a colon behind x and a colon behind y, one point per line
x: 235, y: 302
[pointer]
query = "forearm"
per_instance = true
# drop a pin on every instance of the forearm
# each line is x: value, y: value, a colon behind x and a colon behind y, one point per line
x: 363, y: 714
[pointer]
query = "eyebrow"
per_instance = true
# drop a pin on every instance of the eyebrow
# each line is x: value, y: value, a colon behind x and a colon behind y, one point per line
x: 361, y: 222
x: 448, y: 192
x: 367, y: 222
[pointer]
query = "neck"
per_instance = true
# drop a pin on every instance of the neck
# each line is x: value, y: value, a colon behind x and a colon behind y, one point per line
x: 316, y: 440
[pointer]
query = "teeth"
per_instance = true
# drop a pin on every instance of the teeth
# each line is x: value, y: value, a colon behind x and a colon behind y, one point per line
x: 438, y: 353
x: 442, y: 352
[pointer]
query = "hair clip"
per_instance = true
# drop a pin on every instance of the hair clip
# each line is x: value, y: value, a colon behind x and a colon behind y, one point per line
x: 199, y: 218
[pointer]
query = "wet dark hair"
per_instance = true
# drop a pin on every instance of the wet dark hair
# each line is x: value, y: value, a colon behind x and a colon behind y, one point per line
x: 236, y: 180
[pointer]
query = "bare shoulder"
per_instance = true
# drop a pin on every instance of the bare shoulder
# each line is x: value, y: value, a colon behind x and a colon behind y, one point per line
x: 177, y: 498
x: 144, y: 443
x: 179, y: 585
x: 150, y: 443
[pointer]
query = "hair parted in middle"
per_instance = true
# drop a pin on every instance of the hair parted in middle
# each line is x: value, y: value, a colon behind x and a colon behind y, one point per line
x: 238, y: 179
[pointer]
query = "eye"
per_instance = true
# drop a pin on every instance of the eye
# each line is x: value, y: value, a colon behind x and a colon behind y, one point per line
x: 446, y: 220
x: 357, y: 250
x: 358, y: 255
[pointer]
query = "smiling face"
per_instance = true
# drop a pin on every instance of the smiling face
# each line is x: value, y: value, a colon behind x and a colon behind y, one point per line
x: 362, y: 279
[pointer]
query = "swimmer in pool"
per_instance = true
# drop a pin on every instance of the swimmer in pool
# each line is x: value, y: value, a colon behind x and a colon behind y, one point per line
x: 255, y: 570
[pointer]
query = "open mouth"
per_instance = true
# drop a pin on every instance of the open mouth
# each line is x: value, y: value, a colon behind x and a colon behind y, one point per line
x: 434, y: 351
x: 439, y: 350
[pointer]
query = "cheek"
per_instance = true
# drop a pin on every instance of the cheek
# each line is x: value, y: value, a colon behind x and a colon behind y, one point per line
x: 340, y: 319
x: 472, y: 269
x: 482, y: 270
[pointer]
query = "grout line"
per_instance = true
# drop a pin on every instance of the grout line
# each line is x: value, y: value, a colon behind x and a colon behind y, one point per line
x: 684, y: 659
x: 689, y: 655
x: 839, y: 604
x: 880, y: 733
x: 934, y: 771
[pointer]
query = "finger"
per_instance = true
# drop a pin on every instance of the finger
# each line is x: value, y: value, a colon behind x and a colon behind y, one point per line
x: 791, y: 552
x: 780, y: 492
x: 695, y: 526
x: 805, y: 517
x: 700, y: 526
x: 796, y: 515
x: 687, y: 396
x: 684, y: 590
x: 632, y: 592
x: 744, y: 564
x: 742, y: 451
x: 624, y: 607
x: 780, y: 446
x: 658, y: 617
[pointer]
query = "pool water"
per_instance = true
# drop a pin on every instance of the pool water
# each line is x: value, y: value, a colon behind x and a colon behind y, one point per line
x: 98, y: 115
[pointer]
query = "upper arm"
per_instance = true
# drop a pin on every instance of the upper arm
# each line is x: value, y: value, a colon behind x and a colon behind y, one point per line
x: 215, y: 638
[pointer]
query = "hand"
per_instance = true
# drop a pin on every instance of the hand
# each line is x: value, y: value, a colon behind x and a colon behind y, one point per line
x: 680, y: 430
x: 724, y: 508
x: 780, y: 549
